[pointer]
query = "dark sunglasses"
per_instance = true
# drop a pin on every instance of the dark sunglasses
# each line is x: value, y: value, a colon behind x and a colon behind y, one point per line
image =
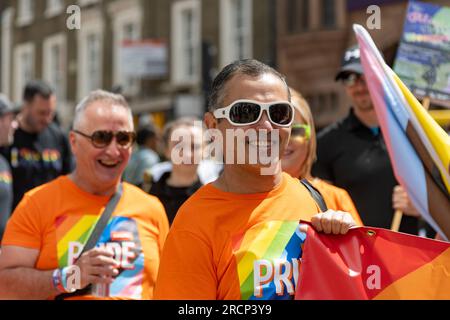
x: 102, y: 138
x: 352, y: 79
x: 248, y: 112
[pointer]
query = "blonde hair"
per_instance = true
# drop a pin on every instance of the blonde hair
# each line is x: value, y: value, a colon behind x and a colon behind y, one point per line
x: 302, y: 107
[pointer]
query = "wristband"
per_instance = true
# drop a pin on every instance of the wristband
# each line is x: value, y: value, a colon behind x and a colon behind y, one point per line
x: 59, y: 279
x: 64, y: 280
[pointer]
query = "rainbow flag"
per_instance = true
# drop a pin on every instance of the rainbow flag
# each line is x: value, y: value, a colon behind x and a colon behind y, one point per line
x: 121, y: 235
x: 373, y: 264
x: 268, y: 260
x: 418, y: 147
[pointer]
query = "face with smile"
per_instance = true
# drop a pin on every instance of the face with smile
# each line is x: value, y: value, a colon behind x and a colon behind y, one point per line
x: 265, y: 88
x: 189, y: 148
x: 294, y: 156
x: 100, y: 169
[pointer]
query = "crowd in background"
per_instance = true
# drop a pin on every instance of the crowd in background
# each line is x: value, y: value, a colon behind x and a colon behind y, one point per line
x: 347, y: 162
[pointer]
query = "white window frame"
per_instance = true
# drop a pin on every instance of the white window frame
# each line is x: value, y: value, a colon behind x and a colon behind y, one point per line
x: 228, y: 32
x: 19, y: 81
x: 6, y: 45
x: 25, y: 17
x: 59, y: 40
x: 178, y: 74
x: 124, y: 13
x: 53, y: 8
x: 87, y: 2
x: 92, y: 25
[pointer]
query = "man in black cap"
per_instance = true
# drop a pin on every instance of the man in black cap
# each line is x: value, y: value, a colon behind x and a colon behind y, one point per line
x: 40, y: 152
x: 7, y: 127
x: 352, y: 155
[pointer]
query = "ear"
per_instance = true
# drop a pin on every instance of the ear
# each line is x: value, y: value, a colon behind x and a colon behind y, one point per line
x: 210, y: 121
x: 72, y: 141
x: 167, y: 153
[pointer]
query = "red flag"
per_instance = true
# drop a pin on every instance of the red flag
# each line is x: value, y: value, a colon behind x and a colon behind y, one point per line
x: 372, y: 263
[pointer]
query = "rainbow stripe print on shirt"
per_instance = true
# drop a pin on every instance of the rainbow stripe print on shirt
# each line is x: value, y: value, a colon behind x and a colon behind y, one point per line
x: 5, y: 177
x: 121, y: 235
x: 268, y: 260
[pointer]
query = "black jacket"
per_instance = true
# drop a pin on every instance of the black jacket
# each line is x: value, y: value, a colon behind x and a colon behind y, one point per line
x: 354, y: 157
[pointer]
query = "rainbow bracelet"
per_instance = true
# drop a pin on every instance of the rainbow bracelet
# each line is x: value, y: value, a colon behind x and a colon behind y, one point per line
x: 59, y: 279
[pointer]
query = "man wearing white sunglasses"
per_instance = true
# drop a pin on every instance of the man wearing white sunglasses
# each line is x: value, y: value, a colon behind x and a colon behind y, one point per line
x: 237, y: 238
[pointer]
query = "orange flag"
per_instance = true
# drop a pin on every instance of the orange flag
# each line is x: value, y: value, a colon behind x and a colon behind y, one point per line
x: 372, y: 263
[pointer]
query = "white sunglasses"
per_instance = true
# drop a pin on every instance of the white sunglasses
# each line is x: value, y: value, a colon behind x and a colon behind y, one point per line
x: 248, y: 112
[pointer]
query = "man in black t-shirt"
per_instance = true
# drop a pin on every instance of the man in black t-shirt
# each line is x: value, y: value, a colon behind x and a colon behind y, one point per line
x: 40, y: 151
x: 352, y: 155
x: 7, y: 126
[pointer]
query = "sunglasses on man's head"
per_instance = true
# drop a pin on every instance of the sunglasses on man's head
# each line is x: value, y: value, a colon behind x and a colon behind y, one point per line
x: 103, y: 138
x: 248, y: 112
x: 352, y: 79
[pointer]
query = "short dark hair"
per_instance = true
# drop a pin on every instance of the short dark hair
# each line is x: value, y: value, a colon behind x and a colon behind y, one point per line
x: 250, y: 67
x: 37, y: 87
x: 145, y: 133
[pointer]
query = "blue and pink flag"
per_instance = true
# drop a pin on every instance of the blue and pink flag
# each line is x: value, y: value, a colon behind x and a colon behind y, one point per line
x: 418, y: 147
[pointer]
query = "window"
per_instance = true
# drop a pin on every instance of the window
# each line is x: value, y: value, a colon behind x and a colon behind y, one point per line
x: 55, y: 64
x: 127, y: 24
x: 297, y: 13
x: 90, y: 54
x: 23, y: 68
x: 25, y: 12
x: 323, y: 103
x: 54, y: 7
x: 328, y: 14
x: 6, y: 30
x: 236, y: 30
x: 87, y: 2
x: 186, y: 46
x: 93, y: 62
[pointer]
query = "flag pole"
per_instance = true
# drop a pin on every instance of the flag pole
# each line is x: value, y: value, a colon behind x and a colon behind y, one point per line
x: 398, y: 215
x: 397, y: 220
x: 426, y: 102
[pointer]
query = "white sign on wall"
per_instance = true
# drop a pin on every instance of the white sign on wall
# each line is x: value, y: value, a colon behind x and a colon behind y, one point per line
x: 143, y: 59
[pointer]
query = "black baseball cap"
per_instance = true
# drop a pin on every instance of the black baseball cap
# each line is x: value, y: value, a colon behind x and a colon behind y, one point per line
x: 6, y: 106
x: 351, y: 63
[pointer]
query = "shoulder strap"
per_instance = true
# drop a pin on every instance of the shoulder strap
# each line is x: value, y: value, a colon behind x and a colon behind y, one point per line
x: 95, y: 235
x: 317, y: 196
x: 103, y: 221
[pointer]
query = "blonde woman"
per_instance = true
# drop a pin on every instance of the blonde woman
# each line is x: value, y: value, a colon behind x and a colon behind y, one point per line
x: 300, y: 155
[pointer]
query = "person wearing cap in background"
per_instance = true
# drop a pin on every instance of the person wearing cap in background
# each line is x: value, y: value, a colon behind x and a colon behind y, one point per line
x: 352, y: 155
x: 7, y: 127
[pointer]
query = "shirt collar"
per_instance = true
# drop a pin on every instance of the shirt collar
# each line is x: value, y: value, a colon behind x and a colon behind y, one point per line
x: 352, y: 122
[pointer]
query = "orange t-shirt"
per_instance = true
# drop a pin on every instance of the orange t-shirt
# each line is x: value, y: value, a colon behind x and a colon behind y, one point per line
x: 337, y: 199
x: 236, y: 246
x: 58, y: 218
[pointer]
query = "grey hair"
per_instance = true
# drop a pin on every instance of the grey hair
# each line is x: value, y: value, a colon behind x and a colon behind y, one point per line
x: 104, y: 96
